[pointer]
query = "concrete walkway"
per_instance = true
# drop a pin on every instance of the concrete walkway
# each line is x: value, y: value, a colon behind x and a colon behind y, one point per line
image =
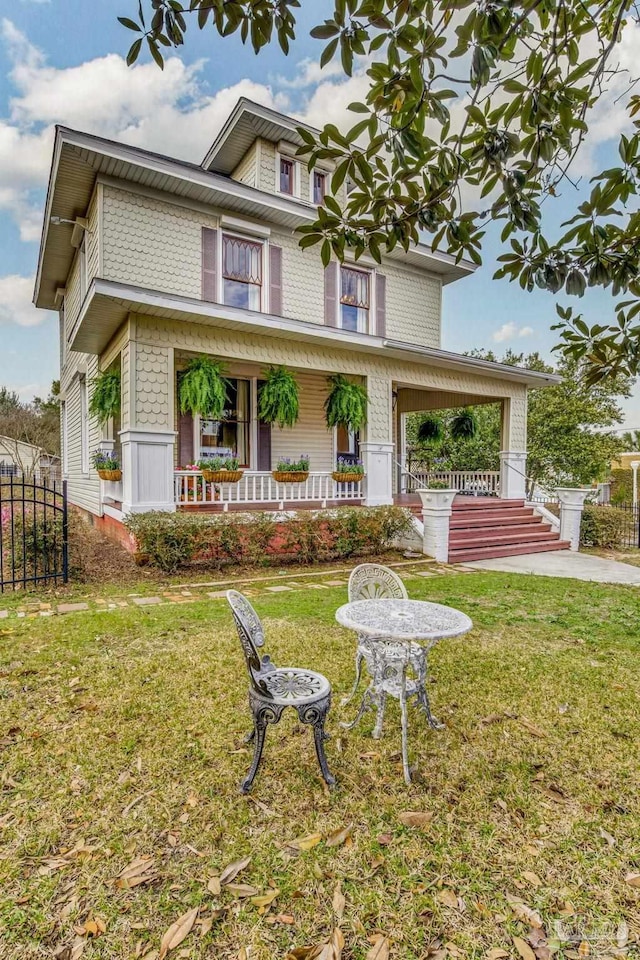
x: 564, y: 563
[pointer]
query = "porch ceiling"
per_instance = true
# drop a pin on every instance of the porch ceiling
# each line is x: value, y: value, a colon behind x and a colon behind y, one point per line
x: 415, y: 400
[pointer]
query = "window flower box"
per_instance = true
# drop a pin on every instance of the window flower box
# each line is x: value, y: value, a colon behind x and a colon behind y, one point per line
x: 348, y: 471
x: 220, y: 470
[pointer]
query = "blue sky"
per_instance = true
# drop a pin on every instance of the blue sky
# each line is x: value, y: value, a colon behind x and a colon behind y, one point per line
x: 62, y: 61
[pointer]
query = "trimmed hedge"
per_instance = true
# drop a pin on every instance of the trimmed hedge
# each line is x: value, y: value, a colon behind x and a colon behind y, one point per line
x: 621, y: 485
x: 172, y: 541
x: 602, y: 527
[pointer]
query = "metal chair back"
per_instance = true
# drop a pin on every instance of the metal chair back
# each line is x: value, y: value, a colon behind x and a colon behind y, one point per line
x: 373, y: 581
x: 251, y: 634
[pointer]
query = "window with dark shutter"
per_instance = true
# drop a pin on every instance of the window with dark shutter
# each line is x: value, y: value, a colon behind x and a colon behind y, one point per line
x: 275, y: 280
x: 209, y: 264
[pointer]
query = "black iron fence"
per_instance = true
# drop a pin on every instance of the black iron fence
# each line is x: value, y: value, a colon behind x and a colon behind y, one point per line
x: 627, y: 524
x: 34, y: 533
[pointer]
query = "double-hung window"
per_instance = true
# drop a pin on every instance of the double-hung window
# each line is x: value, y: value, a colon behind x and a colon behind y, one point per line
x: 242, y: 272
x: 319, y: 186
x: 287, y: 175
x: 354, y: 299
x: 229, y: 437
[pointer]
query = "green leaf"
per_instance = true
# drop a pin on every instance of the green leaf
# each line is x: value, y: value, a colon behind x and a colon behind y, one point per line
x: 130, y: 24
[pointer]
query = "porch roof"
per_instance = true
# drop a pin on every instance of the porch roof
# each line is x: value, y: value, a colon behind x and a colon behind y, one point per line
x: 79, y: 158
x: 108, y: 304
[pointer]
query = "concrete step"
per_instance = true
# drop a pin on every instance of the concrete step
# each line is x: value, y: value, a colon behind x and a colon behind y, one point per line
x: 495, y: 518
x: 487, y: 536
x: 465, y: 554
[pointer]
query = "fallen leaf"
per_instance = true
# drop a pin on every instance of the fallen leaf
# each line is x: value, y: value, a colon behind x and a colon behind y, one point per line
x: 242, y: 890
x: 264, y: 899
x: 532, y: 878
x: 415, y: 818
x: 384, y: 839
x: 178, y: 932
x: 531, y: 727
x: 523, y: 912
x: 493, y: 718
x: 214, y: 886
x: 330, y: 949
x: 496, y: 953
x: 305, y: 843
x: 337, y: 837
x: 137, y: 872
x: 338, y: 902
x: 633, y: 879
x: 205, y: 926
x: 448, y: 898
x: 610, y: 839
x: 231, y: 872
x: 523, y: 948
x: 380, y: 949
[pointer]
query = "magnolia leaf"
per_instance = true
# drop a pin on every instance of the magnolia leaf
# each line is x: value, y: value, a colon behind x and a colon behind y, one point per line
x: 380, y: 949
x: 531, y: 727
x: 137, y: 872
x: 178, y: 932
x: 338, y: 903
x: 337, y: 837
x: 523, y: 912
x: 265, y: 899
x: 496, y: 953
x: 448, y: 898
x: 416, y: 819
x: 305, y: 843
x: 214, y: 886
x: 242, y: 890
x: 532, y: 878
x: 633, y: 879
x: 523, y: 948
x: 231, y: 872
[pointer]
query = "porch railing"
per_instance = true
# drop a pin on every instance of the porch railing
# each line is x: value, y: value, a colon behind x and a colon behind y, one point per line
x: 256, y: 487
x: 479, y: 483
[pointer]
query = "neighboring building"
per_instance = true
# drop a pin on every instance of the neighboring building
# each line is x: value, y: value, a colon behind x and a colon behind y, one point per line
x: 18, y: 459
x: 152, y: 260
x: 624, y: 460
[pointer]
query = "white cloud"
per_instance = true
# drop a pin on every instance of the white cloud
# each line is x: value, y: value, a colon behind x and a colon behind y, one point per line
x: 510, y: 331
x: 15, y: 302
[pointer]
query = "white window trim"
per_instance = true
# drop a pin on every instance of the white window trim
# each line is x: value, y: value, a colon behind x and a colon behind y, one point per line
x: 64, y: 438
x: 82, y: 253
x: 264, y: 289
x: 84, y: 426
x: 363, y: 268
x: 326, y: 175
x: 284, y: 154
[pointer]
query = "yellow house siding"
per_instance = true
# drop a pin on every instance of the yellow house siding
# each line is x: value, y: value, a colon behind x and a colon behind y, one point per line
x: 83, y: 489
x: 310, y: 434
x: 267, y: 166
x: 247, y: 170
x: 153, y: 385
x: 302, y: 280
x: 413, y: 306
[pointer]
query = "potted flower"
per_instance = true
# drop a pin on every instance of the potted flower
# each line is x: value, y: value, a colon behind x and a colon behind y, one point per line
x: 220, y: 469
x: 291, y: 471
x: 107, y: 465
x: 346, y: 471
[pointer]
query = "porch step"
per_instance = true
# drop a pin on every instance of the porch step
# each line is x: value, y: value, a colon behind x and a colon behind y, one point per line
x: 484, y: 503
x: 496, y: 535
x: 463, y: 555
x: 468, y: 518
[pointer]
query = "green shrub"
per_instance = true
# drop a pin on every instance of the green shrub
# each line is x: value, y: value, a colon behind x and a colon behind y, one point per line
x: 621, y: 486
x: 172, y: 541
x: 602, y: 526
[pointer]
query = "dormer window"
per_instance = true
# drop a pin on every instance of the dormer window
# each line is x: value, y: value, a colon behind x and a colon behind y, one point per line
x: 287, y: 174
x: 242, y: 272
x: 319, y: 187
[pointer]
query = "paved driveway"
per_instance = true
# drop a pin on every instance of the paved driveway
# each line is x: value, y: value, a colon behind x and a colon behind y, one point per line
x: 564, y: 563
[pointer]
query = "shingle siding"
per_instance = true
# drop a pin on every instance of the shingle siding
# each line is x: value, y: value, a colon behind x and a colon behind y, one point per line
x: 247, y: 171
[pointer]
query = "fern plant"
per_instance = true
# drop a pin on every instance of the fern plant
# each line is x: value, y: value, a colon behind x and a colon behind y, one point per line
x: 106, y: 392
x: 279, y: 400
x: 203, y: 388
x: 464, y: 425
x: 430, y: 430
x: 346, y: 404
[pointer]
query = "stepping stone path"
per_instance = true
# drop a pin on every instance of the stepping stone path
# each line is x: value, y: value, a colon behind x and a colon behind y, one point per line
x: 251, y: 587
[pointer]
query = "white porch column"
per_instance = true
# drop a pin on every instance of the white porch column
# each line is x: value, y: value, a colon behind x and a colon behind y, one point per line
x: 147, y: 470
x: 513, y: 455
x: 436, y: 516
x: 377, y: 450
x: 571, y: 507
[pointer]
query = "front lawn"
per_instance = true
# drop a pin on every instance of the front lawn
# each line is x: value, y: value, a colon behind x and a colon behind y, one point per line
x: 122, y: 739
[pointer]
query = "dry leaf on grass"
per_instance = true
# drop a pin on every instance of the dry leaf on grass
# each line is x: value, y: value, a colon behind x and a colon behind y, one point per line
x: 448, y: 898
x: 532, y: 878
x: 138, y: 871
x: 305, y: 843
x: 531, y: 727
x: 330, y: 949
x: 523, y: 912
x: 496, y: 953
x: 415, y: 818
x: 380, y: 949
x: 523, y: 948
x: 338, y: 902
x: 178, y: 932
x: 633, y: 879
x: 214, y: 886
x: 231, y: 872
x: 242, y: 890
x: 337, y: 837
x: 265, y: 899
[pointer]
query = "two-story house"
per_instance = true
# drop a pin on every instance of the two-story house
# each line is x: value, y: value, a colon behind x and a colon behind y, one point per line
x: 151, y: 260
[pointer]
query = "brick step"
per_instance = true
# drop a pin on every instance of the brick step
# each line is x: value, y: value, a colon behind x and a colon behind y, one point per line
x: 497, y: 519
x: 484, y: 503
x: 487, y: 536
x: 466, y: 554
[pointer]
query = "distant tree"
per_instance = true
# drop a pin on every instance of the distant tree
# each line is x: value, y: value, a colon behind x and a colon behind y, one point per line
x: 567, y: 440
x: 630, y: 440
x: 475, y: 112
x: 36, y: 423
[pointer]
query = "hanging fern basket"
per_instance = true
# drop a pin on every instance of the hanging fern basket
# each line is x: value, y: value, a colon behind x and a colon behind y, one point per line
x: 106, y: 391
x: 464, y: 426
x: 346, y: 403
x: 203, y: 388
x: 279, y: 400
x: 430, y: 430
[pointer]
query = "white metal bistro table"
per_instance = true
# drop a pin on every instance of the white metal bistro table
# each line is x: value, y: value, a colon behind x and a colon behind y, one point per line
x: 396, y: 625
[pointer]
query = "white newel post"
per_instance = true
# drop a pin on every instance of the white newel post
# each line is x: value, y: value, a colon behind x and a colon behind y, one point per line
x: 377, y: 459
x: 513, y: 481
x: 147, y: 470
x: 436, y: 515
x: 571, y: 507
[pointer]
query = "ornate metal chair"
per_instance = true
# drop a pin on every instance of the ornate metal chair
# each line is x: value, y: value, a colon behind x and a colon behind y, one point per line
x: 272, y: 689
x: 386, y: 661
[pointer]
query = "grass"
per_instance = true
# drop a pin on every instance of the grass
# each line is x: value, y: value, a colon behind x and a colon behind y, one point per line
x: 122, y: 737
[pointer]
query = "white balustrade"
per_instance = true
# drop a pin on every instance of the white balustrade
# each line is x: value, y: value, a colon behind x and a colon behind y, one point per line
x: 260, y: 488
x: 476, y: 482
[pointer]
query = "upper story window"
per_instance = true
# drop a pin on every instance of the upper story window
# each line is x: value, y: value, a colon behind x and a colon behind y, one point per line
x: 354, y: 299
x: 319, y: 186
x: 242, y: 272
x: 287, y: 175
